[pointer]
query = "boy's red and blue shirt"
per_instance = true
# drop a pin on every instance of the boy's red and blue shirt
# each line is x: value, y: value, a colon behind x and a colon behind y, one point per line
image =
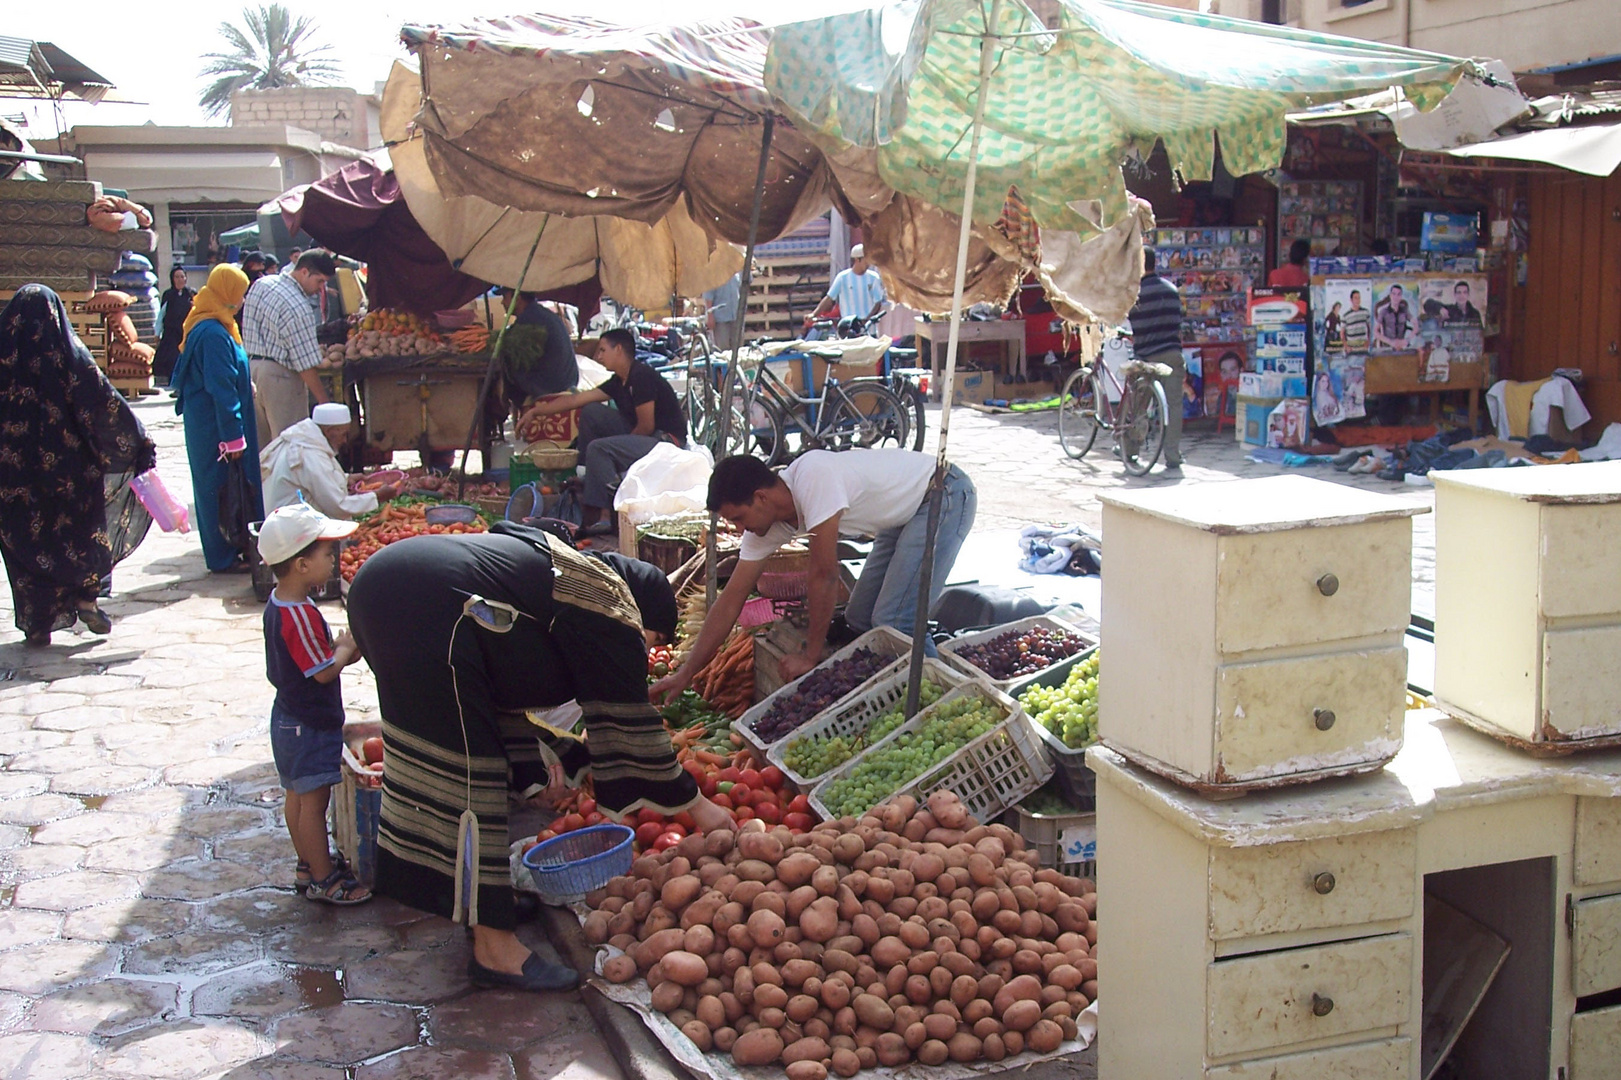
x: 298, y: 646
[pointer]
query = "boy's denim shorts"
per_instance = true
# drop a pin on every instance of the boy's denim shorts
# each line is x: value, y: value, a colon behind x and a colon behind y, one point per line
x: 308, y: 758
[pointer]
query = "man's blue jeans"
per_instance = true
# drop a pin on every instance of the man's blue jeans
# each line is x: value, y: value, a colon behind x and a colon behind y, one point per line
x: 886, y: 592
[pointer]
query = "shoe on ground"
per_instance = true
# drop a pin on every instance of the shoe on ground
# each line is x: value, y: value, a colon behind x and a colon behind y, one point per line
x: 96, y: 621
x: 538, y: 975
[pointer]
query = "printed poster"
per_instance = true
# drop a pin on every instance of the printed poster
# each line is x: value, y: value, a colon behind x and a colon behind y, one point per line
x: 1395, y: 316
x: 1459, y: 301
x: 1220, y: 364
x: 1343, y: 315
x: 1339, y: 391
x: 1193, y: 387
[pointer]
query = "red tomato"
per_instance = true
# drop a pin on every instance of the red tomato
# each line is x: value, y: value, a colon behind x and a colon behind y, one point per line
x: 729, y: 773
x: 545, y: 835
x: 707, y: 786
x: 769, y: 813
x: 743, y: 813
x: 684, y: 820
x: 588, y: 806
x: 667, y: 841
x: 648, y: 834
x: 648, y: 814
x: 750, y: 777
x: 771, y: 777
x: 742, y: 794
x: 799, y: 804
x: 594, y: 818
x: 721, y: 800
x: 799, y: 822
x: 570, y: 822
x: 372, y: 748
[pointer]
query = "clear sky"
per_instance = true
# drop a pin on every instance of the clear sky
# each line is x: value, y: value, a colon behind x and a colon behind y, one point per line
x: 155, y: 60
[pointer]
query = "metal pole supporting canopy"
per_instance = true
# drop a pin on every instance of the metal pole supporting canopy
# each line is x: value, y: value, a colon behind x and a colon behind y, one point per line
x: 920, y: 625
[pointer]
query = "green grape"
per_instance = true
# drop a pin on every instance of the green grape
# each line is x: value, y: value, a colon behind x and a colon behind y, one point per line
x: 1069, y: 711
x: 887, y: 769
x: 813, y: 755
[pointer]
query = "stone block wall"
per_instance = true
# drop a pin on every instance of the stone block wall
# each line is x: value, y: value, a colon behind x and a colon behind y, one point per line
x: 335, y: 113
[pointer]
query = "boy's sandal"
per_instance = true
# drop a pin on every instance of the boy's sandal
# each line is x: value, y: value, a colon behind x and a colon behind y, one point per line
x: 302, y: 876
x: 340, y: 888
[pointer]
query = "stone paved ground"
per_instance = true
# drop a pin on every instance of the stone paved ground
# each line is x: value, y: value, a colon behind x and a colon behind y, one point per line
x: 147, y: 926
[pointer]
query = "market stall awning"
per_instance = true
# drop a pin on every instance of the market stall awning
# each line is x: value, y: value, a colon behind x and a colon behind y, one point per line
x: 585, y: 117
x: 1594, y: 149
x: 1065, y: 107
x: 359, y: 211
x: 639, y: 264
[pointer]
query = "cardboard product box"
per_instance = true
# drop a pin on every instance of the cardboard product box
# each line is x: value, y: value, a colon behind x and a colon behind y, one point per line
x: 793, y: 372
x: 1029, y: 389
x: 1252, y: 416
x: 1288, y: 425
x: 973, y: 387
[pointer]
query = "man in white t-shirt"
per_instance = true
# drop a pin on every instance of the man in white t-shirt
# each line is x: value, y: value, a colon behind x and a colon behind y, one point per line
x: 858, y: 291
x: 825, y: 495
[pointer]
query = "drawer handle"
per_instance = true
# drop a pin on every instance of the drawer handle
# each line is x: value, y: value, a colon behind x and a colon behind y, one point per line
x: 1323, y: 718
x: 1321, y: 1006
x: 1328, y: 584
x: 1323, y: 883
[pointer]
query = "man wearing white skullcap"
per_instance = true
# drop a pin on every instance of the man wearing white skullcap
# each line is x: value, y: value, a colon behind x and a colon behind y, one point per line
x: 301, y: 465
x: 858, y: 291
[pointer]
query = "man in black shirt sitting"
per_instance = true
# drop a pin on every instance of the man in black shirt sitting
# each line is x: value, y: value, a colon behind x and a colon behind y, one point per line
x: 620, y: 421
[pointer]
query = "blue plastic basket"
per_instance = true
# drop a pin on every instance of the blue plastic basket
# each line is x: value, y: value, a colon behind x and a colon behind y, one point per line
x: 567, y: 867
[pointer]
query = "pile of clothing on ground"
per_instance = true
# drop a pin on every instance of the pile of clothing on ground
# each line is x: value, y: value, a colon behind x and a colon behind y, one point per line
x: 1061, y: 549
x: 1457, y: 450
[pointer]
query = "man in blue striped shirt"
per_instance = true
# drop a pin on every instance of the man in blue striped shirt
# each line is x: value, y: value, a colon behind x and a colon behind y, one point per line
x: 858, y: 291
x: 1156, y: 337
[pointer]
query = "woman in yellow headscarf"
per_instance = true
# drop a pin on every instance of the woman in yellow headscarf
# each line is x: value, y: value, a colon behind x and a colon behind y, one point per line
x: 214, y: 393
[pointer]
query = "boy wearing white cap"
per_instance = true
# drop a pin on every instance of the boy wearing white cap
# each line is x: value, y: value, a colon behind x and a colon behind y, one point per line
x: 301, y: 465
x: 302, y: 661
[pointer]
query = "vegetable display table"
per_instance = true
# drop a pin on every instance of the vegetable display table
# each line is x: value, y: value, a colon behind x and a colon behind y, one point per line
x: 1306, y: 926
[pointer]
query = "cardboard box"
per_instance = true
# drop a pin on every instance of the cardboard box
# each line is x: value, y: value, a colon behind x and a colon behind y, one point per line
x: 1252, y: 416
x: 793, y: 371
x: 973, y: 387
x: 1028, y: 389
x: 1289, y: 424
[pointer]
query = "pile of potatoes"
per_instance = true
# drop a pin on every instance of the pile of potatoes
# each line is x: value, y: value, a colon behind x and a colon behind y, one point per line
x: 911, y: 934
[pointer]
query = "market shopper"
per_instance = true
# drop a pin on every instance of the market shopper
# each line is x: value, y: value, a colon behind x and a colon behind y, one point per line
x: 557, y: 371
x: 1292, y: 275
x: 858, y: 292
x: 176, y: 304
x: 621, y: 421
x: 63, y: 429
x: 214, y: 394
x: 825, y: 495
x: 465, y: 634
x: 1156, y: 338
x: 278, y: 332
x: 303, y: 662
x: 724, y: 315
x: 301, y: 465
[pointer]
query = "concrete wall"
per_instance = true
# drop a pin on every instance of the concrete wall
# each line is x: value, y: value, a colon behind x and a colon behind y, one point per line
x: 338, y: 114
x: 1524, y: 34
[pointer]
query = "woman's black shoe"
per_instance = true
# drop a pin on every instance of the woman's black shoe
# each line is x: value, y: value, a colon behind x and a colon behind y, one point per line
x: 538, y: 975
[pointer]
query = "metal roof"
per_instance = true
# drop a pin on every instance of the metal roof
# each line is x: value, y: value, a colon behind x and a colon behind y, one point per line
x: 40, y: 69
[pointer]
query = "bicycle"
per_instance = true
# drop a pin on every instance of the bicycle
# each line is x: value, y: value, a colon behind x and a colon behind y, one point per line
x: 1134, y: 411
x: 782, y: 423
x: 907, y: 389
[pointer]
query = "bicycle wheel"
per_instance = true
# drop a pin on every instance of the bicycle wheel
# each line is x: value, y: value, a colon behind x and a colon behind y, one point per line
x: 1146, y: 427
x: 912, y: 399
x: 1078, y: 414
x: 866, y: 416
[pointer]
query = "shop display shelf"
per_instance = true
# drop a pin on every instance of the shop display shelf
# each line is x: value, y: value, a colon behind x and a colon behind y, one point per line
x: 856, y: 714
x: 881, y: 640
x: 989, y: 774
x: 1079, y: 784
x: 950, y: 652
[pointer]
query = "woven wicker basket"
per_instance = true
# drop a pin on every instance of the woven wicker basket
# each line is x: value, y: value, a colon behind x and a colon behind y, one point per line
x: 787, y: 560
x: 494, y: 505
x: 552, y: 457
x: 783, y: 586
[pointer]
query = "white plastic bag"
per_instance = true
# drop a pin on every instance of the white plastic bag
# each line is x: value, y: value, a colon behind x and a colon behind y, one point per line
x: 668, y: 480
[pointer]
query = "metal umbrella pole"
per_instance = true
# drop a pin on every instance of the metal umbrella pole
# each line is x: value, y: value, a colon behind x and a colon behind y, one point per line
x: 495, y: 364
x: 729, y: 384
x: 920, y: 625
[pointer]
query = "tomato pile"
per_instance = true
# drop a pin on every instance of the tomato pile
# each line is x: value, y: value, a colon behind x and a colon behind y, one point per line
x: 392, y: 523
x: 660, y: 661
x: 752, y: 793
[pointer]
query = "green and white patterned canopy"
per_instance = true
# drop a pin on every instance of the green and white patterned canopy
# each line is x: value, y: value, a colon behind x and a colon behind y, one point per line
x: 1065, y: 107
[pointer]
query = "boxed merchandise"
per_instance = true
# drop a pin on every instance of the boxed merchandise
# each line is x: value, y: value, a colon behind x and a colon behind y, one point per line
x: 1252, y: 418
x: 1288, y: 425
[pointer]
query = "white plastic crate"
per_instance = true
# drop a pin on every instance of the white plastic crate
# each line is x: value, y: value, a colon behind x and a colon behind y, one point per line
x: 1065, y: 842
x: 950, y: 651
x: 881, y: 640
x: 854, y: 715
x: 989, y: 774
x: 1078, y: 781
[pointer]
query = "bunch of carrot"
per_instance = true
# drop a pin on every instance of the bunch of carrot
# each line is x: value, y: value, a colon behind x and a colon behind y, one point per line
x: 470, y: 339
x: 727, y: 681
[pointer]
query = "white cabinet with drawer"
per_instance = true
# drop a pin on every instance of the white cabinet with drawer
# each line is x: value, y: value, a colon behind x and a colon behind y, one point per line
x: 1254, y: 630
x: 1528, y: 602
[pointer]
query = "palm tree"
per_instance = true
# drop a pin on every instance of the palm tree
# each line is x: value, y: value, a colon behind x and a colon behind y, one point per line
x: 273, y: 50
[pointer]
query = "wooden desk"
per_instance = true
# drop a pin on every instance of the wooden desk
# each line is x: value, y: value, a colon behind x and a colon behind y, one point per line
x: 1010, y: 332
x: 1398, y: 373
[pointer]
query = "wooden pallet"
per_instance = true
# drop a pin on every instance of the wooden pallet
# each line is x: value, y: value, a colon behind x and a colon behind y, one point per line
x: 775, y: 280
